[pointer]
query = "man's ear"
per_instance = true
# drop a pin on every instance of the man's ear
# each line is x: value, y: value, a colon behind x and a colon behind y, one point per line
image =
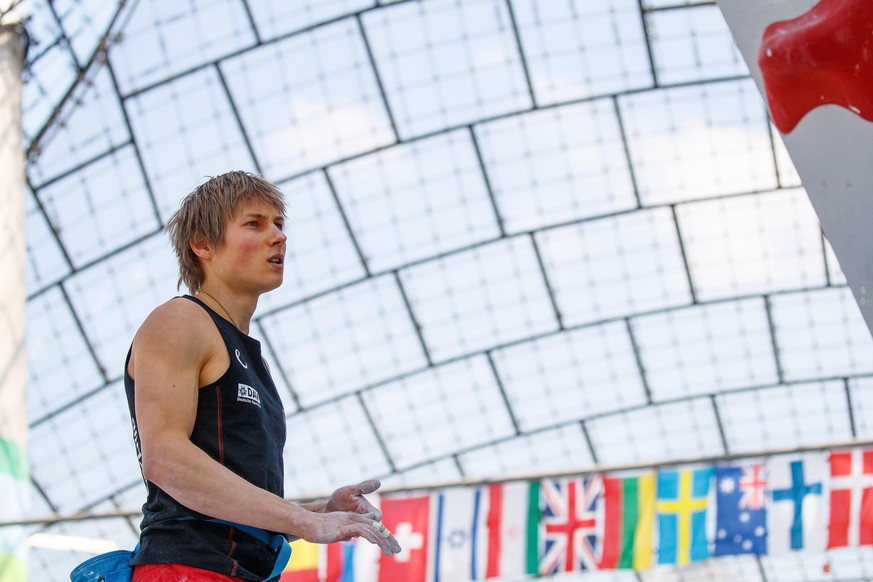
x: 201, y: 247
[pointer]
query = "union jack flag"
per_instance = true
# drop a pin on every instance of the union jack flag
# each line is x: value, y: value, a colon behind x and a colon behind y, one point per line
x: 569, y: 524
x: 753, y: 485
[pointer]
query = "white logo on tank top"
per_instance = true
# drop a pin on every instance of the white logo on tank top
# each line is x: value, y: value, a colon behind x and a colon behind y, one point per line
x: 246, y: 393
x: 239, y: 359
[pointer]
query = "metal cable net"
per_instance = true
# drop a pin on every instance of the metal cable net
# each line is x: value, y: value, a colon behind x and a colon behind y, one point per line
x: 523, y: 237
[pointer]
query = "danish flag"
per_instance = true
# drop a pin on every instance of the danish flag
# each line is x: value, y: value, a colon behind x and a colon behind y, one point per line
x: 851, y: 522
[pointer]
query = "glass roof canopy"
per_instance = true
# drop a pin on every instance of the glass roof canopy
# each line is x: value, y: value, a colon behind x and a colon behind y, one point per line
x: 524, y: 237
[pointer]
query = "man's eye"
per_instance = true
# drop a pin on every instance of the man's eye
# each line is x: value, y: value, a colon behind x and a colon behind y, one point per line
x: 252, y: 223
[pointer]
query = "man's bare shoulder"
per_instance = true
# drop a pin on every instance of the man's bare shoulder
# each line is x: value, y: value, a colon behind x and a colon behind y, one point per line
x: 178, y: 322
x: 177, y: 314
x: 179, y: 336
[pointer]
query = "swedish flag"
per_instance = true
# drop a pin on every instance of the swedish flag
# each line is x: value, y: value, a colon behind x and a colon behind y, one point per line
x: 683, y: 497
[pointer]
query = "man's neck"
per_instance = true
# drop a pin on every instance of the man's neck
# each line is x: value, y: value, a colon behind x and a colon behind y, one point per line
x: 238, y: 308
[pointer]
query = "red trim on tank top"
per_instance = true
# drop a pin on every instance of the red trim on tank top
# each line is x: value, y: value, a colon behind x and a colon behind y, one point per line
x: 220, y: 430
x: 231, y: 551
x: 221, y: 460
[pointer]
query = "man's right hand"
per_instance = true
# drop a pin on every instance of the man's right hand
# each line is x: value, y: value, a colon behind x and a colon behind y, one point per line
x: 338, y: 526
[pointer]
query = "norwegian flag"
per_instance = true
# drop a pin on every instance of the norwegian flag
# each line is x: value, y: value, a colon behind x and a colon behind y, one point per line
x: 569, y: 524
x: 753, y: 485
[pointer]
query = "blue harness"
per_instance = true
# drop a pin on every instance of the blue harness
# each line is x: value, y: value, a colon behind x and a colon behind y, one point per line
x: 113, y: 566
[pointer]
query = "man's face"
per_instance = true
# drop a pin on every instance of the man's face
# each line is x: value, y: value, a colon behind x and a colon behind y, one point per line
x: 252, y: 255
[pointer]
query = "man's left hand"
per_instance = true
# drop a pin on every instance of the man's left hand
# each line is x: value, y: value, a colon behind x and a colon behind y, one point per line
x: 351, y: 498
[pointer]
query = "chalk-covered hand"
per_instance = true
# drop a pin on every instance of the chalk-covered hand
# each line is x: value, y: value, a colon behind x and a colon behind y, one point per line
x: 338, y: 526
x: 351, y: 498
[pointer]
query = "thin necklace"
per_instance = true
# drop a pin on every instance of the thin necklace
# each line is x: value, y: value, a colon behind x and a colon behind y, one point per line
x: 200, y: 290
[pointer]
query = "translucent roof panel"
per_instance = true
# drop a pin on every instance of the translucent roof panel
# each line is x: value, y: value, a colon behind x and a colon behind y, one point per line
x: 443, y: 471
x: 274, y: 18
x: 163, y: 39
x: 550, y: 451
x: 186, y: 130
x: 114, y: 296
x: 706, y: 349
x: 345, y: 341
x: 309, y: 99
x: 91, y: 122
x: 108, y: 208
x: 693, y: 45
x: 444, y: 63
x: 661, y: 432
x: 861, y: 402
x: 524, y: 238
x: 782, y: 417
x: 416, y: 201
x: 577, y: 49
x: 615, y: 266
x: 52, y: 73
x: 698, y: 141
x: 557, y: 165
x: 82, y: 455
x: 752, y: 244
x: 429, y: 415
x: 821, y: 334
x: 61, y: 365
x: 559, y: 378
x: 480, y: 298
x: 46, y: 262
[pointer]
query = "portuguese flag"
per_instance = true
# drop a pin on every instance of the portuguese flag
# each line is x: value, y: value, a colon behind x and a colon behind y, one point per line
x: 629, y: 516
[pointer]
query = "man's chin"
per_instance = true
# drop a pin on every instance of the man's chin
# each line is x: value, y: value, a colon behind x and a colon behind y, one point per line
x: 274, y: 286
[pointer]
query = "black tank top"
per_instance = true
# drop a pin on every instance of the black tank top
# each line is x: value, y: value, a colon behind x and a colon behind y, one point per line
x: 241, y: 424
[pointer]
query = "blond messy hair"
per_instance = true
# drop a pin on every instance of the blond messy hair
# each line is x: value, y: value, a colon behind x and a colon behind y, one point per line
x: 204, y: 214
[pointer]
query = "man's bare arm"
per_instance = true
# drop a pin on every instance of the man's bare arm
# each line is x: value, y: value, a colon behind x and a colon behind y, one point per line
x: 169, y: 352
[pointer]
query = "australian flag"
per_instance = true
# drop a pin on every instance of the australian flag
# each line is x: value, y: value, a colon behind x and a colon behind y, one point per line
x: 741, y: 519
